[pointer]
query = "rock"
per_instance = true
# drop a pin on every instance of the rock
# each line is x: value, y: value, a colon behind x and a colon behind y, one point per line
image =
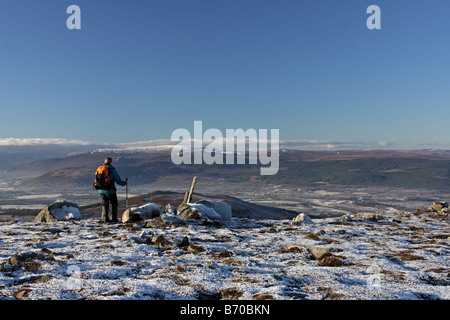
x: 143, y: 237
x: 272, y: 230
x: 295, y: 249
x: 158, y: 239
x: 225, y: 254
x: 170, y: 209
x: 319, y: 252
x: 292, y: 248
x: 46, y: 251
x: 196, y: 211
x: 166, y: 220
x: 184, y: 242
x: 231, y: 294
x: 195, y: 248
x: 21, y: 293
x: 331, y: 261
x: 147, y: 211
x: 185, y: 212
x: 313, y: 236
x: 222, y: 208
x: 10, y: 222
x: 118, y: 292
x: 374, y: 217
x: 157, y: 223
x: 129, y: 217
x: 320, y: 232
x: 116, y: 263
x: 137, y: 214
x: 300, y: 252
x: 52, y: 230
x: 146, y: 236
x: 61, y: 210
x: 6, y: 267
x: 302, y: 217
x: 439, y: 207
x: 172, y: 219
x: 345, y: 218
x: 212, y: 265
x: 137, y: 239
x: 27, y: 260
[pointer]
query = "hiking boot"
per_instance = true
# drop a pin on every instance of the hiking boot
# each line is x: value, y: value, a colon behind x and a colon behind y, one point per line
x: 105, y: 212
x: 114, y: 213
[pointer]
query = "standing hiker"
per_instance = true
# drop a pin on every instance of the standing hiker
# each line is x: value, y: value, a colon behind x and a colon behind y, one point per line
x: 105, y: 178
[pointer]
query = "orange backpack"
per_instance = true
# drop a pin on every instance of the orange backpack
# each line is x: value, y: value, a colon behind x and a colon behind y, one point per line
x: 102, y: 181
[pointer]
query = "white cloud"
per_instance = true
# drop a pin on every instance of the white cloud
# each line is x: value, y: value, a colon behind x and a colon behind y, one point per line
x: 5, y: 142
x: 331, y: 145
x: 166, y: 143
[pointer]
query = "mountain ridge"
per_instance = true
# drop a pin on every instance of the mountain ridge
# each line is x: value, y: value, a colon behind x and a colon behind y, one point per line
x: 409, y: 169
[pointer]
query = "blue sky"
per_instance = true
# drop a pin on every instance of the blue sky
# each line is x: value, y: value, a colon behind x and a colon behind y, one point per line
x: 137, y: 70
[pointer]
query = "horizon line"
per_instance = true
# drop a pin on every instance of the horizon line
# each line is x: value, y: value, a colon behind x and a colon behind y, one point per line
x: 292, y: 144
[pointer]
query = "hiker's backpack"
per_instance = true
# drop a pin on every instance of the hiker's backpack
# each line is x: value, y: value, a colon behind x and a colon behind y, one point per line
x: 102, y: 181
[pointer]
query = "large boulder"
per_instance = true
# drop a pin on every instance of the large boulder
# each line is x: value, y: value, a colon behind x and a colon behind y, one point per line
x: 145, y: 212
x: 61, y: 210
x: 301, y: 218
x: 222, y: 208
x: 128, y: 216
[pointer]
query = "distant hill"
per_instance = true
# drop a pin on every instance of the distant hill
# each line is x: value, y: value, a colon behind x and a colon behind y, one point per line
x: 389, y: 172
x: 409, y: 169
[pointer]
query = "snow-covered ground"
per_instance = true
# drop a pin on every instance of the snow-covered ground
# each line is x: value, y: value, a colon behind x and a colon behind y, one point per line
x: 393, y: 256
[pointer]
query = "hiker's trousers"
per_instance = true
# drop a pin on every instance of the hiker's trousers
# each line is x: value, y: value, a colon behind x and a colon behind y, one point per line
x: 109, y: 198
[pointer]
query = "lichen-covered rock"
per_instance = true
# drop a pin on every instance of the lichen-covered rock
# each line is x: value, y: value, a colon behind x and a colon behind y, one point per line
x: 197, y: 211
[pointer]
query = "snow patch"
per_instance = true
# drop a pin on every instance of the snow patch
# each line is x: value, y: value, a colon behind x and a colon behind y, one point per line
x: 146, y: 211
x: 66, y: 213
x: 206, y: 212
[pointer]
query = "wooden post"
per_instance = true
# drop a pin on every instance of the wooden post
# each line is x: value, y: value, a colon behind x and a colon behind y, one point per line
x: 191, y: 192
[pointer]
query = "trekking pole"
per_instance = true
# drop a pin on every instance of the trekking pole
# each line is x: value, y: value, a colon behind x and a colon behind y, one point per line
x: 126, y: 187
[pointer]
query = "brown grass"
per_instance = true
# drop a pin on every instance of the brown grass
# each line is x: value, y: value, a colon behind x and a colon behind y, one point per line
x: 407, y: 255
x: 331, y: 261
x: 231, y: 294
x: 261, y: 296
